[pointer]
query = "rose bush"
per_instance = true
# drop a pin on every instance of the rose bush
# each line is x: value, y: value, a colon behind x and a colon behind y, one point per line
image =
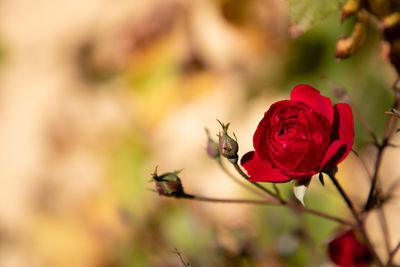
x: 348, y: 249
x: 300, y: 137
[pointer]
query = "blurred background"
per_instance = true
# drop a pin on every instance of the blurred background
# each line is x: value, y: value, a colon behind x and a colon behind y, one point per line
x: 94, y: 94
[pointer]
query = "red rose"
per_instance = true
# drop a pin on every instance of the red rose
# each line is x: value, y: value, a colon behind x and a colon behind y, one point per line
x: 347, y: 250
x: 300, y: 137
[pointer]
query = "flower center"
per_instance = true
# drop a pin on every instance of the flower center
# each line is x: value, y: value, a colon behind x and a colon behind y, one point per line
x: 290, y: 131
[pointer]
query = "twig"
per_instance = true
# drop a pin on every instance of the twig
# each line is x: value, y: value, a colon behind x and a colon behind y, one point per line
x: 185, y: 264
x: 363, y: 164
x: 385, y: 229
x: 291, y: 205
x: 392, y: 254
x: 345, y: 197
x: 391, y: 124
x: 370, y: 246
x: 245, y: 176
x: 297, y: 207
x: 375, y: 176
x: 340, y: 93
x: 360, y: 223
x: 389, y: 130
x: 233, y: 178
x: 364, y: 123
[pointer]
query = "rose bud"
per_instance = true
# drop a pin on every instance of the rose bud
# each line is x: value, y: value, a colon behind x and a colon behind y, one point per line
x: 348, y: 249
x: 212, y: 147
x: 168, y: 184
x: 228, y: 147
x: 299, y: 138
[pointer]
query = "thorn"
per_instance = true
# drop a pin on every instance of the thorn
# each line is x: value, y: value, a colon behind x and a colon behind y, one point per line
x: 355, y: 152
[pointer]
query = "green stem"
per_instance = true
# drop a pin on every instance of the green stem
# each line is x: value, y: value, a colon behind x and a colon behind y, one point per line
x: 372, y: 189
x: 345, y: 197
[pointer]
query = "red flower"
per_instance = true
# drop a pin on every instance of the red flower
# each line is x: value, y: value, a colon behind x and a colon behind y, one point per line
x: 347, y: 250
x: 300, y: 137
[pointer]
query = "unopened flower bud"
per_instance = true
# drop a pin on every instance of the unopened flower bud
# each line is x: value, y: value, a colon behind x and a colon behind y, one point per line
x: 168, y: 184
x: 228, y: 147
x: 349, y: 249
x: 212, y: 147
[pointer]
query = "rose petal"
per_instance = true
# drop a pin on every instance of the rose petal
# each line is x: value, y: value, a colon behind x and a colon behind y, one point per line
x: 307, y: 94
x: 346, y: 125
x: 260, y: 171
x: 260, y: 135
x: 334, y: 155
x: 343, y: 127
x: 296, y: 175
x: 275, y: 107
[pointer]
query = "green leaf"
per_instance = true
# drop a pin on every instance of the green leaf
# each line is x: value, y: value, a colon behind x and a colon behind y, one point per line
x: 300, y: 188
x: 305, y: 13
